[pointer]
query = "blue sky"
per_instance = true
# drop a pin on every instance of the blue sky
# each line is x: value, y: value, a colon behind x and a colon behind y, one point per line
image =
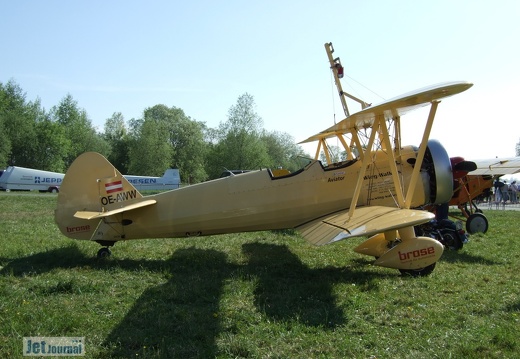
x: 200, y: 56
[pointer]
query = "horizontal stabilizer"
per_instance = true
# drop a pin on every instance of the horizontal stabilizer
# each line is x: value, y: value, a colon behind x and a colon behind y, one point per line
x: 94, y: 215
x: 366, y: 221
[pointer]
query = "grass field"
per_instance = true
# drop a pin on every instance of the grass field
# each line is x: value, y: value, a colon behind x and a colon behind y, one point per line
x: 252, y: 295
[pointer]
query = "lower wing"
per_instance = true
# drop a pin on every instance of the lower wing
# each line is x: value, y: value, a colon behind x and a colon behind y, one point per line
x: 365, y: 221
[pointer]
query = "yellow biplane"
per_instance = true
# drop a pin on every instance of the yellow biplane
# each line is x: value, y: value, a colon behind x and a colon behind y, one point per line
x: 377, y: 191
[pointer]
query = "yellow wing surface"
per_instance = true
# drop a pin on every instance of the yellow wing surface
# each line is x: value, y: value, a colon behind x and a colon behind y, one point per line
x: 365, y: 221
x: 497, y: 166
x: 395, y: 107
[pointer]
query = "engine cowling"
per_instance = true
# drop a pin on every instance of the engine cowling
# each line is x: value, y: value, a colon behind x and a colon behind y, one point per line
x: 438, y: 165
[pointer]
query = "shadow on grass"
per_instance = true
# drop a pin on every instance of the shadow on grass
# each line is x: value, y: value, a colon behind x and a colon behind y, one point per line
x: 174, y: 320
x: 513, y: 308
x: 289, y: 290
x: 180, y: 317
x: 67, y: 258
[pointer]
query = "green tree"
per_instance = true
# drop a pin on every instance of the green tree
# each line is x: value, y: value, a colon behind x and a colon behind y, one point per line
x: 116, y: 135
x: 150, y: 153
x: 5, y: 141
x: 29, y: 138
x: 5, y: 145
x: 18, y: 122
x: 239, y: 144
x: 53, y: 145
x: 180, y: 143
x: 282, y: 150
x: 336, y: 155
x: 78, y: 129
x: 189, y: 149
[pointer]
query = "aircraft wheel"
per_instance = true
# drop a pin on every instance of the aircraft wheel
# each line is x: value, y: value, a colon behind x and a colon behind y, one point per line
x: 452, y: 241
x: 477, y: 223
x: 104, y: 253
x: 420, y: 272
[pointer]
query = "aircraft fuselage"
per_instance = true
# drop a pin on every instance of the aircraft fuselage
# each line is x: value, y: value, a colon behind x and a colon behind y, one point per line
x: 253, y: 201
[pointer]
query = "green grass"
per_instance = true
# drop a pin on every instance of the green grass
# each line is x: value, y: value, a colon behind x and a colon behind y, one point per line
x: 252, y: 295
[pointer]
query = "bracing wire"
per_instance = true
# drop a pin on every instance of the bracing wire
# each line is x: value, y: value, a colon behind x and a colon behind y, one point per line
x: 365, y: 87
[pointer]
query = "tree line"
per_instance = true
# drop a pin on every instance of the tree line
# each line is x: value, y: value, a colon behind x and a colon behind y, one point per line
x: 165, y: 137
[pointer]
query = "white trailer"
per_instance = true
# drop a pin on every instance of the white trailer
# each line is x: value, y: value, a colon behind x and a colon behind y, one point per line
x: 27, y: 179
x: 170, y: 180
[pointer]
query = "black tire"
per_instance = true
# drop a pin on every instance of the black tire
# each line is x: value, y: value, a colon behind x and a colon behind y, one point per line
x: 452, y: 241
x: 104, y: 253
x: 477, y: 223
x: 420, y: 272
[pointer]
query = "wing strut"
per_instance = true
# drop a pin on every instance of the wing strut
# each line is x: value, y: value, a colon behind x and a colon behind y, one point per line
x: 393, y: 167
x: 420, y: 155
x: 364, y: 166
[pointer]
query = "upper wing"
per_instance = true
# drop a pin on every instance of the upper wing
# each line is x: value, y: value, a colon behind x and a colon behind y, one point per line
x: 392, y: 108
x: 497, y: 166
x: 365, y: 221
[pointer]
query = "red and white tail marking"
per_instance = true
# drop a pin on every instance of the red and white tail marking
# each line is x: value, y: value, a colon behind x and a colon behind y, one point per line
x: 112, y: 187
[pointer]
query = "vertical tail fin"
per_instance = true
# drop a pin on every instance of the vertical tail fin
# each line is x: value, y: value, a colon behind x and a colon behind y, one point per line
x: 91, y: 184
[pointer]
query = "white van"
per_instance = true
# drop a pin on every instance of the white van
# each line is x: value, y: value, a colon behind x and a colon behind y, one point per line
x: 27, y: 179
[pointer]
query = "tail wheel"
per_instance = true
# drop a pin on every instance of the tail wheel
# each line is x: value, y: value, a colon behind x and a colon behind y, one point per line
x: 419, y: 272
x: 104, y: 252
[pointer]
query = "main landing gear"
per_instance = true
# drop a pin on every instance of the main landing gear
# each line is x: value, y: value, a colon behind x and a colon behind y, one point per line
x: 419, y: 272
x: 105, y: 251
